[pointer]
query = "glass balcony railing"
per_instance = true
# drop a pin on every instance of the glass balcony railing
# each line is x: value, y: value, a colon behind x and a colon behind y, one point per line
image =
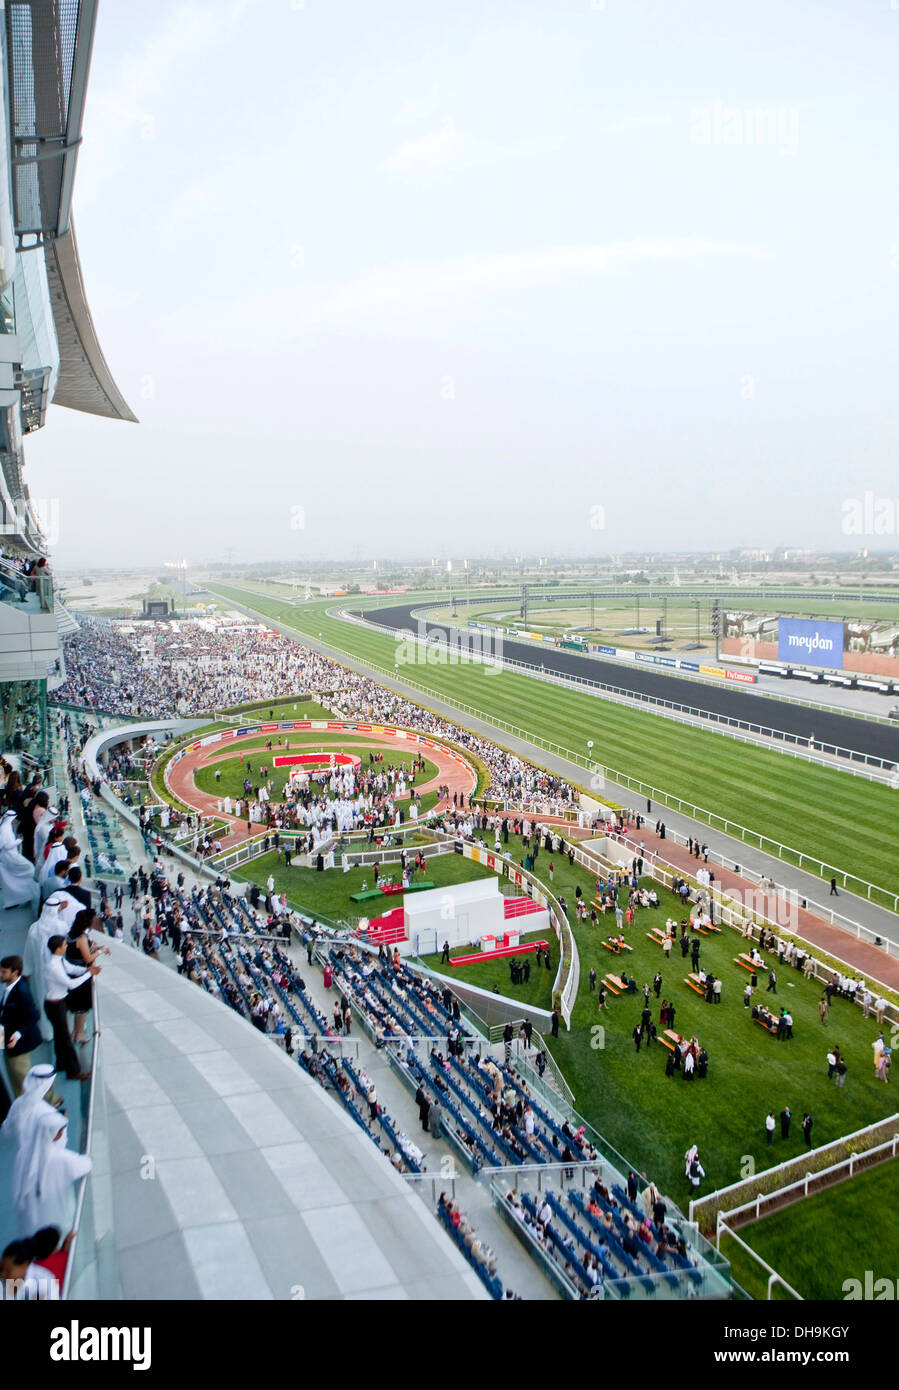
x: 23, y: 719
x: 91, y: 1273
x: 32, y: 593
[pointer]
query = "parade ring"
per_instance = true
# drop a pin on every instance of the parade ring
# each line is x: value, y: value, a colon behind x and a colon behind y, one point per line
x: 248, y: 744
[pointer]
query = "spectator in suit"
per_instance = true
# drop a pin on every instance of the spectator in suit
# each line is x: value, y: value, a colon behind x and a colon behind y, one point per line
x: 21, y: 1023
x: 74, y: 887
x: 66, y: 985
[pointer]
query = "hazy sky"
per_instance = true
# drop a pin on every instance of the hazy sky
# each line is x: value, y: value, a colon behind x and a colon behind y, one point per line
x: 579, y: 277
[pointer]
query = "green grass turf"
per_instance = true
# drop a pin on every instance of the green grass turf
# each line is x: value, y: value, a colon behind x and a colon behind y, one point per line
x: 233, y: 769
x: 823, y: 1241
x: 328, y: 894
x: 489, y: 972
x: 650, y: 1118
x: 757, y: 788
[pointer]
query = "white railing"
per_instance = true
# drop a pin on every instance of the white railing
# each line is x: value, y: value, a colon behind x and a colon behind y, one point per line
x: 728, y: 827
x: 567, y: 979
x: 681, y: 674
x: 722, y: 823
x: 744, y: 1184
x: 796, y: 1191
x: 741, y: 729
x: 773, y: 1276
x: 735, y: 914
x: 827, y: 914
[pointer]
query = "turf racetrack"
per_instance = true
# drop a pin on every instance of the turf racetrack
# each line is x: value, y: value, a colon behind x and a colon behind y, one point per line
x: 861, y: 735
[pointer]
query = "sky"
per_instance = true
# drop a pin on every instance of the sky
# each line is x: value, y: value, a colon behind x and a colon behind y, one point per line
x: 409, y: 279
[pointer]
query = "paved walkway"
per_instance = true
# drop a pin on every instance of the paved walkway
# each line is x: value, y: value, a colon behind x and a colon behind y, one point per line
x: 870, y: 961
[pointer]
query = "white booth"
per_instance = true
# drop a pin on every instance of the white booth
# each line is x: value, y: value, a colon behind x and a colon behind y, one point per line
x: 460, y: 913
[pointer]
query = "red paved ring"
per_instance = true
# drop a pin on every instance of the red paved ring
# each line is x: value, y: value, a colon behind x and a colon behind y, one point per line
x: 453, y: 770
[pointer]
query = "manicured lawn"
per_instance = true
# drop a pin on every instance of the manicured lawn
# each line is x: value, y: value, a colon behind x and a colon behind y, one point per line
x: 755, y: 787
x: 234, y: 767
x: 650, y: 1118
x: 823, y: 1241
x: 489, y: 972
x: 328, y: 893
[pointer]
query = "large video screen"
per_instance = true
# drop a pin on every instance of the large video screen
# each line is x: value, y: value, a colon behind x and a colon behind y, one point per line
x: 861, y: 646
x: 810, y: 641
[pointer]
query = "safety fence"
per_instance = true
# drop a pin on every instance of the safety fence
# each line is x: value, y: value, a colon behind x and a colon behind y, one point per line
x: 767, y: 909
x: 747, y: 731
x: 874, y: 893
x: 704, y: 1210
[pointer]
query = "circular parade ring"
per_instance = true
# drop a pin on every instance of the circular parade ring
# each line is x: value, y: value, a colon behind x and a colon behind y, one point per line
x: 453, y: 769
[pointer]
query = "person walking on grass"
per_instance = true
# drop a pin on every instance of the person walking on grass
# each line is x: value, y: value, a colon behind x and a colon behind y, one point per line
x: 823, y: 1009
x: 807, y: 1123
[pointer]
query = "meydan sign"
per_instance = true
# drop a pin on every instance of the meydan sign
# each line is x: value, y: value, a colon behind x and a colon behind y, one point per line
x: 811, y: 643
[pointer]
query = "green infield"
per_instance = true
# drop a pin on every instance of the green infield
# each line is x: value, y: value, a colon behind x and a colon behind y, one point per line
x: 493, y: 972
x: 649, y: 1117
x: 756, y: 788
x: 329, y: 894
x: 834, y: 1245
x: 233, y: 765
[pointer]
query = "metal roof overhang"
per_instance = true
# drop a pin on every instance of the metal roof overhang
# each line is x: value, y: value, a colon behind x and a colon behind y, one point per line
x: 85, y: 381
x: 49, y: 46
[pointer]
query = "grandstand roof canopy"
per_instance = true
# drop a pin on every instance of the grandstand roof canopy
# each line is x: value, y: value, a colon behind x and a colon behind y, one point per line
x: 49, y: 46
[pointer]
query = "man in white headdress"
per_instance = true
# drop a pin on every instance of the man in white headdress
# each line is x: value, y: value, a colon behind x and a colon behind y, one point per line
x: 694, y: 1170
x: 37, y: 1099
x: 42, y: 832
x: 57, y: 915
x: 16, y: 872
x: 44, y: 1176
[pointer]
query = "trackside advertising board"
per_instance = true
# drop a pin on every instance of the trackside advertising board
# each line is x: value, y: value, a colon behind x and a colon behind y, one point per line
x: 810, y: 642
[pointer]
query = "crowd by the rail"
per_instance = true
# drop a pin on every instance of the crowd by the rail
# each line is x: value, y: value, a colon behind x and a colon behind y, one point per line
x: 199, y: 665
